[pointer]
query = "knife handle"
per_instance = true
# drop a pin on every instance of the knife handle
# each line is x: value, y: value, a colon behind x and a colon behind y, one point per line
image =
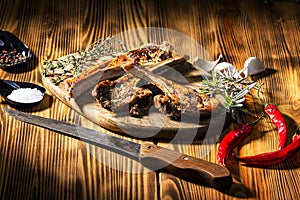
x: 184, y: 166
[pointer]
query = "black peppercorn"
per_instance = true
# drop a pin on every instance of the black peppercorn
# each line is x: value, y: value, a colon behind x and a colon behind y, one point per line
x: 11, y: 57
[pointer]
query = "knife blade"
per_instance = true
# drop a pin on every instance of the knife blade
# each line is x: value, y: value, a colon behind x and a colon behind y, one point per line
x: 149, y: 155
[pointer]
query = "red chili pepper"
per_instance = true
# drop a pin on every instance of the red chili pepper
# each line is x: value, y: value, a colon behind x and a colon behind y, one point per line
x: 232, y: 139
x: 278, y: 120
x: 274, y: 157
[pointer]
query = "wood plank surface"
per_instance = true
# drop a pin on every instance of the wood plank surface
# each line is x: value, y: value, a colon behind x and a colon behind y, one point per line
x: 39, y: 164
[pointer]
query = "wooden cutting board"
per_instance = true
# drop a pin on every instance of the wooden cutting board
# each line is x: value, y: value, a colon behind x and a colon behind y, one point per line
x: 155, y: 126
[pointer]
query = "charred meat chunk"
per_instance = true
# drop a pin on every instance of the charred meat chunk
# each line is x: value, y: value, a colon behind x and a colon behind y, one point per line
x: 141, y: 102
x: 175, y: 98
x: 152, y: 52
x: 123, y: 95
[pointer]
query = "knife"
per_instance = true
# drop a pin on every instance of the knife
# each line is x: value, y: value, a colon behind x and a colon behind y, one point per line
x: 148, y: 154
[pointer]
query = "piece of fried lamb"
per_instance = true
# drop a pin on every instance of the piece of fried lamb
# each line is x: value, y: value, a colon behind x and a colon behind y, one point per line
x: 124, y: 95
x: 175, y: 99
x: 152, y: 57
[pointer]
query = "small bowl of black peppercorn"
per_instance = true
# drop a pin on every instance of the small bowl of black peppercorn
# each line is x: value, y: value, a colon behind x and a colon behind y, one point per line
x: 13, y: 51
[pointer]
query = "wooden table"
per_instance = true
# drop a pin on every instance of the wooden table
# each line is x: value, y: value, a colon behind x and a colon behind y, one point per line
x: 39, y: 164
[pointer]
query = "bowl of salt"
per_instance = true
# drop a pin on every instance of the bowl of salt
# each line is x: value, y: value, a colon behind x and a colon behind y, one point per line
x: 21, y: 93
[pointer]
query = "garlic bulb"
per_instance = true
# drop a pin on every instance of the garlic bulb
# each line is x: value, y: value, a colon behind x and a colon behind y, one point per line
x: 254, y: 66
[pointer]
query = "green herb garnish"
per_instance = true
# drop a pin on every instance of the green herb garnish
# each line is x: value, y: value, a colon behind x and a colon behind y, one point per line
x: 230, y: 84
x: 72, y: 65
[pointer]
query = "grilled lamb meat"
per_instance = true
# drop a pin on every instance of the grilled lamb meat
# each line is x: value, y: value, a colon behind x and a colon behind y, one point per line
x: 152, y: 57
x: 140, y: 89
x: 124, y: 95
x: 140, y: 102
x: 176, y: 98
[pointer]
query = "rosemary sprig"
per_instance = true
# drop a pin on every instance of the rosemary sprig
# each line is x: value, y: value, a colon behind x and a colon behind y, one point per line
x: 230, y: 85
x: 72, y: 65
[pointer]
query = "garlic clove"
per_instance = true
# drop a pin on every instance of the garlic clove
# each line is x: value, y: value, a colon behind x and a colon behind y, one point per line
x: 206, y: 65
x: 254, y: 66
x: 228, y: 70
x: 225, y: 66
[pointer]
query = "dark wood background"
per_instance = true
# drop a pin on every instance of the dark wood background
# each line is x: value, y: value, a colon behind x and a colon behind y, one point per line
x: 39, y: 164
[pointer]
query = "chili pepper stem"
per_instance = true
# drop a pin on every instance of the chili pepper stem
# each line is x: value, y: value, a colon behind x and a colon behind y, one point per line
x: 258, y: 95
x: 257, y: 120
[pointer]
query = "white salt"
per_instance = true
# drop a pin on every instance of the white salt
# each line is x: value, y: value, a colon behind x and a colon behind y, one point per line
x: 26, y: 95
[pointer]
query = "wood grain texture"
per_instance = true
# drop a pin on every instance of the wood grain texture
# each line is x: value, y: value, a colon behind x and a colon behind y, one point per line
x: 40, y: 164
x: 269, y: 33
